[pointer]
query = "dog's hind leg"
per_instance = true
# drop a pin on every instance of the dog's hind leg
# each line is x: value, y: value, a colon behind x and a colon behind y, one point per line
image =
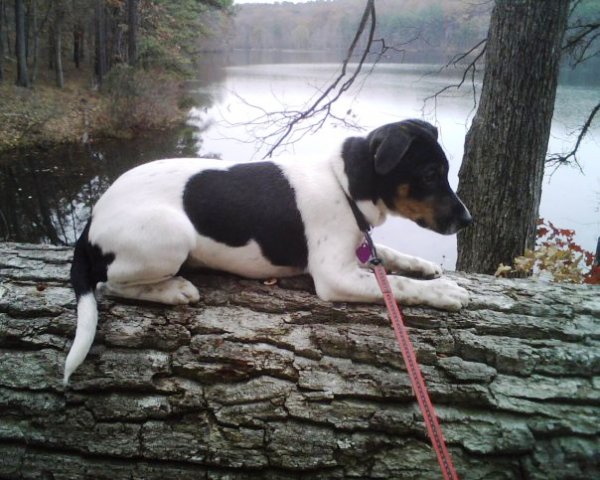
x: 148, y: 257
x: 172, y: 291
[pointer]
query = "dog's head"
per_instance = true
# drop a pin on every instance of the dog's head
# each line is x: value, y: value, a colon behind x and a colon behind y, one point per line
x: 411, y: 176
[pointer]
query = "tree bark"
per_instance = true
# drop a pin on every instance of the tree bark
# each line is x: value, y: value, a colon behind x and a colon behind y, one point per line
x: 500, y: 179
x: 262, y: 381
x: 22, y: 78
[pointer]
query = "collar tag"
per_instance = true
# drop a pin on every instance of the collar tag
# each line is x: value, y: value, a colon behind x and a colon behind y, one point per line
x: 363, y: 252
x: 366, y: 252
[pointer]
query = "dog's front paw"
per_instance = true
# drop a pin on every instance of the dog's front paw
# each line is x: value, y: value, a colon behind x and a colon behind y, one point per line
x: 446, y: 295
x: 427, y: 269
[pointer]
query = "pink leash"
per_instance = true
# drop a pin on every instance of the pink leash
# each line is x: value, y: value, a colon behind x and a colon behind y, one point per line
x: 416, y: 377
x: 367, y: 253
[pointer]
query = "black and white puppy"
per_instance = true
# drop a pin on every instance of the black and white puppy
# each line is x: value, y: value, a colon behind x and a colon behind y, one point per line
x: 268, y: 219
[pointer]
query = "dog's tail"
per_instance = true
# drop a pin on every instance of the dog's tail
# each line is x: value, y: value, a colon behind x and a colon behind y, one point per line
x: 84, y: 284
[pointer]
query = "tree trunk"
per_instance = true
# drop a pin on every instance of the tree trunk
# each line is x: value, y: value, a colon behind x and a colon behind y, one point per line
x: 500, y: 179
x: 58, y: 23
x: 100, y: 25
x: 22, y: 78
x: 33, y: 13
x: 2, y: 40
x: 5, y: 28
x: 78, y: 36
x: 51, y: 46
x: 132, y: 21
x: 270, y: 382
x: 26, y: 18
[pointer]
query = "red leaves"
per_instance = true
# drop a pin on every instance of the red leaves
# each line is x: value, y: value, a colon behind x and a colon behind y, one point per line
x: 556, y: 257
x: 593, y: 276
x: 550, y: 236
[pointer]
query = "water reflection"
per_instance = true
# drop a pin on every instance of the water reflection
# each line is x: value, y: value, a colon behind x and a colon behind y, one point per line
x: 47, y: 195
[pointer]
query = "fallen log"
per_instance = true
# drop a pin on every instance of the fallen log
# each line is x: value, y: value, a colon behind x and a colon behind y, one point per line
x: 268, y: 381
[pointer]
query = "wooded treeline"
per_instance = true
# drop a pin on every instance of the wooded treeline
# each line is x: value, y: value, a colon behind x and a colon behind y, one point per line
x: 416, y: 31
x: 443, y: 27
x: 37, y: 37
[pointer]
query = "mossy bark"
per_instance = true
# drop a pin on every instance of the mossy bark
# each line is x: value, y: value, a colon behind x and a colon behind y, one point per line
x: 261, y: 381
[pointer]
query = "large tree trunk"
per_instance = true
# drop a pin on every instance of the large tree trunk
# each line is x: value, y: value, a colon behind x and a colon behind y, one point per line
x: 503, y: 165
x: 262, y: 381
x: 22, y: 78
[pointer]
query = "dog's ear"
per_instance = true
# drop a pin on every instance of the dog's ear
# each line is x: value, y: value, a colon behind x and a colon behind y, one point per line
x: 423, y: 126
x: 388, y: 146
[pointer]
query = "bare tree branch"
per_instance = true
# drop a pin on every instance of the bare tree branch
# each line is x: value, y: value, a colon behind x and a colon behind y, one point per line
x: 470, y: 68
x: 323, y: 104
x: 580, y: 39
x: 290, y: 125
x: 581, y: 35
x: 558, y: 159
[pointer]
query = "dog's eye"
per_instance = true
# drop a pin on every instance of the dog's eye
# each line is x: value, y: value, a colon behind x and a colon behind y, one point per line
x: 431, y: 176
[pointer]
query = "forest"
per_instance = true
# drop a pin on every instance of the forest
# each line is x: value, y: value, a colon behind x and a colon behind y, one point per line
x: 411, y: 31
x: 101, y: 34
x: 110, y: 66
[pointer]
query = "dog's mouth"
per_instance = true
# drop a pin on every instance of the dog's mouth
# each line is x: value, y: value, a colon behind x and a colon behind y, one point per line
x: 435, y: 227
x: 447, y: 226
x: 422, y: 223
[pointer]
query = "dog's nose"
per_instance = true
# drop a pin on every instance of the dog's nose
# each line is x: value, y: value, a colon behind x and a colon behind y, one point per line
x: 465, y: 219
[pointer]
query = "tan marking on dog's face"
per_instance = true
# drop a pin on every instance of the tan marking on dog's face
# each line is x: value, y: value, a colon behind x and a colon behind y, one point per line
x: 416, y: 210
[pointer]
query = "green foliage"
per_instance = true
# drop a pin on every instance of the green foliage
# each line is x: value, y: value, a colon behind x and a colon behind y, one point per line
x: 170, y: 32
x: 556, y: 257
x: 154, y: 54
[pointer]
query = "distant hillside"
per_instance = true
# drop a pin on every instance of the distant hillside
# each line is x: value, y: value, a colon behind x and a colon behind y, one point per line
x: 446, y: 27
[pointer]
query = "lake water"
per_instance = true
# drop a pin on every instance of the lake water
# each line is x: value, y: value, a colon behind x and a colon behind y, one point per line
x: 47, y: 195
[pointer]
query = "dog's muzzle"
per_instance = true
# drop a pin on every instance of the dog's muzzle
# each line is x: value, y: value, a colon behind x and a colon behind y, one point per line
x: 459, y: 218
x: 451, y: 216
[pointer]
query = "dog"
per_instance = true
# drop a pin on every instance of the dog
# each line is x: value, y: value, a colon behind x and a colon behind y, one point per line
x: 269, y: 219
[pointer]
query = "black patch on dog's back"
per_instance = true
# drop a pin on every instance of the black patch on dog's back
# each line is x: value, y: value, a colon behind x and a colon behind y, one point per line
x: 252, y: 201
